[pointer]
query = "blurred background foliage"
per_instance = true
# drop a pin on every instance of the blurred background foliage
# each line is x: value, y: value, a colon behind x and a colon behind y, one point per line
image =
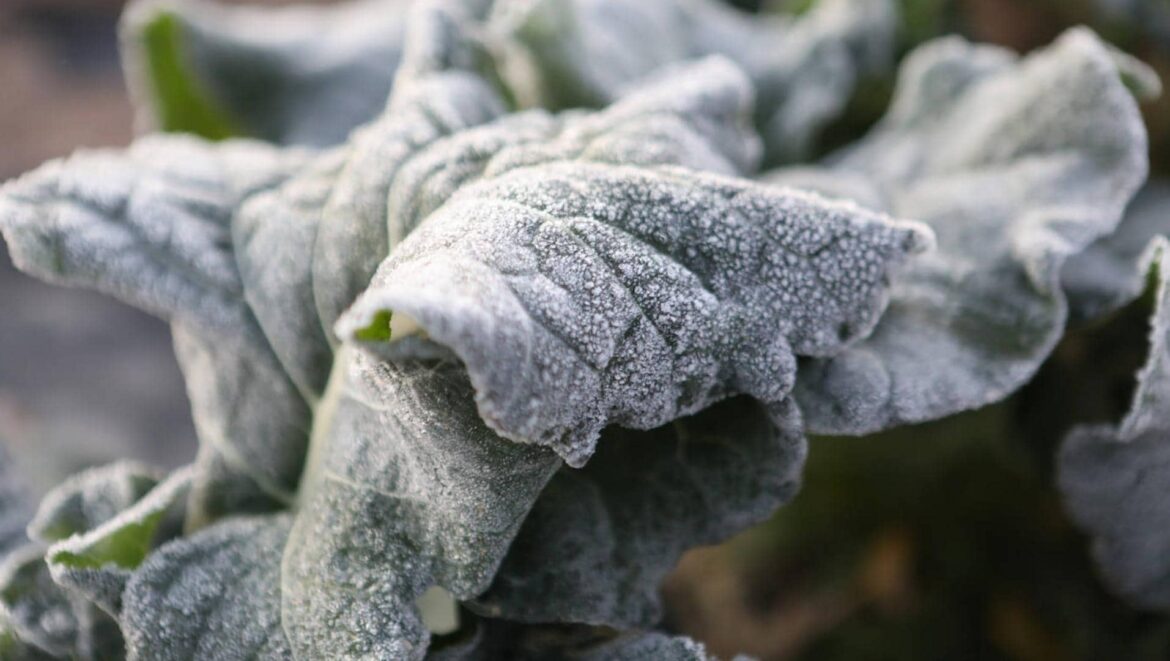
x: 937, y: 541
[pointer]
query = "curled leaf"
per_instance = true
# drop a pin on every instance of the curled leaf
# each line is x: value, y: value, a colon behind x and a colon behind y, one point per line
x: 1016, y: 164
x: 152, y: 226
x: 1114, y: 479
x: 293, y: 75
x: 580, y: 295
x: 96, y: 561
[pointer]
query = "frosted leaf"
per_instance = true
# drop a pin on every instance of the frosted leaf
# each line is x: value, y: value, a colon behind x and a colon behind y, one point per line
x: 1016, y: 164
x: 96, y: 561
x: 599, y: 541
x: 90, y: 498
x: 581, y: 294
x: 12, y: 648
x: 274, y: 234
x: 407, y: 488
x: 213, y: 595
x: 151, y: 226
x: 42, y: 613
x: 15, y: 505
x: 439, y: 92
x: 293, y: 75
x: 43, y: 616
x: 567, y: 53
x: 1114, y: 479
x: 1109, y: 274
x: 438, y: 133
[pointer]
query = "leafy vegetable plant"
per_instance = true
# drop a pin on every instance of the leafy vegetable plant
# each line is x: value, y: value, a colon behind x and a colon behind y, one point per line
x: 488, y: 311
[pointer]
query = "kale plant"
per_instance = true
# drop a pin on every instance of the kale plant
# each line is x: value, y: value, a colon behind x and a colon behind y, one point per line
x: 488, y: 311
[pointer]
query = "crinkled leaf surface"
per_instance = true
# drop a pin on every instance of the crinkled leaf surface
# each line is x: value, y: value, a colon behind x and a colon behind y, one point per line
x: 213, y: 595
x: 599, y: 541
x: 1109, y: 273
x: 293, y: 75
x: 567, y: 53
x: 1016, y: 164
x: 580, y: 295
x: 95, y: 561
x: 1115, y: 479
x: 407, y: 488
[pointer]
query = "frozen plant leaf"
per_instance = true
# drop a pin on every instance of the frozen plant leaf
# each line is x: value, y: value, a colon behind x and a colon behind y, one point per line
x: 567, y: 53
x: 58, y: 621
x: 97, y: 560
x: 599, y: 541
x: 439, y: 92
x: 12, y: 648
x: 1114, y: 479
x: 1109, y: 273
x: 151, y: 226
x: 1016, y: 164
x: 582, y: 294
x: 293, y: 75
x: 274, y: 234
x: 90, y: 498
x: 407, y: 488
x: 403, y: 167
x: 214, y: 595
x: 42, y: 615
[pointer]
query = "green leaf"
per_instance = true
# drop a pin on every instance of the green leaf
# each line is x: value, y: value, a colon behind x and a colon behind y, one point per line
x: 295, y: 75
x: 90, y: 498
x: 1016, y: 164
x: 97, y: 560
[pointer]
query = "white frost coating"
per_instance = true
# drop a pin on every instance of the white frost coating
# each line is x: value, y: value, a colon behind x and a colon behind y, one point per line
x: 1016, y: 165
x: 599, y: 540
x: 41, y: 612
x: 291, y: 75
x: 151, y: 226
x: 408, y: 489
x: 1115, y: 479
x: 274, y: 234
x: 213, y: 595
x: 438, y: 92
x: 1109, y: 273
x: 581, y: 295
x: 96, y: 560
x: 89, y: 498
x: 566, y: 53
